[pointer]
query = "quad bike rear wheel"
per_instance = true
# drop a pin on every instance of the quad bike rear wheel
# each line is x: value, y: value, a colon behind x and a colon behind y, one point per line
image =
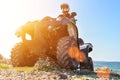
x: 63, y: 58
x: 27, y: 53
x: 20, y: 56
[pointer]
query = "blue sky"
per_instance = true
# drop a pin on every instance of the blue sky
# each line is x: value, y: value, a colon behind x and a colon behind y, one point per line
x: 98, y: 22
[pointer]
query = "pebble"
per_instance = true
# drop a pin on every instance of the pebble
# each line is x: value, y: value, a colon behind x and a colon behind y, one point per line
x: 33, y: 75
x: 6, y: 74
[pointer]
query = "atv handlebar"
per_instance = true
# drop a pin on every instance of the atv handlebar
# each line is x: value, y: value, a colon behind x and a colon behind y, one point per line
x: 87, y: 45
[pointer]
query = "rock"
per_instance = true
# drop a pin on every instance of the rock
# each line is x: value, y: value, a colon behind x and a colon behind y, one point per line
x: 63, y: 76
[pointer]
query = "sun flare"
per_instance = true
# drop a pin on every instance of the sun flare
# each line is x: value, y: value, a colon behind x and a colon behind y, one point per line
x: 15, y: 13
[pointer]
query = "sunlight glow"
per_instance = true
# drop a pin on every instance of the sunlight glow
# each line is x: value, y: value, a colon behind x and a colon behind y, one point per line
x: 76, y: 54
x: 15, y: 13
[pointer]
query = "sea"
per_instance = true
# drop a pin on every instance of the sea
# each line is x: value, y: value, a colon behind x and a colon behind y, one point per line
x: 113, y: 66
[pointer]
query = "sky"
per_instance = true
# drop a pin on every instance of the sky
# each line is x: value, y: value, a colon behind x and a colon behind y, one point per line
x: 98, y: 22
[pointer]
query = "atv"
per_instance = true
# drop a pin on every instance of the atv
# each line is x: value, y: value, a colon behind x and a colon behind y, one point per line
x: 50, y: 38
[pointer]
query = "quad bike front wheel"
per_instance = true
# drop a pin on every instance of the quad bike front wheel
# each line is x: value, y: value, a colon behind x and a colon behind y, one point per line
x: 63, y: 58
x: 87, y: 66
x: 90, y: 64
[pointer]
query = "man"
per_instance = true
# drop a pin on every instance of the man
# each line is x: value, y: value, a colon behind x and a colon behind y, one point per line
x: 65, y: 12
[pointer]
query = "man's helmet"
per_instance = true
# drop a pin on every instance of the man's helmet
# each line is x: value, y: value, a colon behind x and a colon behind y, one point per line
x: 64, y: 7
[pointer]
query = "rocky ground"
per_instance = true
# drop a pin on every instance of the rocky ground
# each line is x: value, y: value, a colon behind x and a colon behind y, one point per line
x: 12, y: 74
x: 44, y: 70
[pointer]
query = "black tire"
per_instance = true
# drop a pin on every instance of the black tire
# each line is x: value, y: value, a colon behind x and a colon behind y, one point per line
x: 63, y: 58
x: 87, y: 66
x: 90, y: 64
x: 20, y: 56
